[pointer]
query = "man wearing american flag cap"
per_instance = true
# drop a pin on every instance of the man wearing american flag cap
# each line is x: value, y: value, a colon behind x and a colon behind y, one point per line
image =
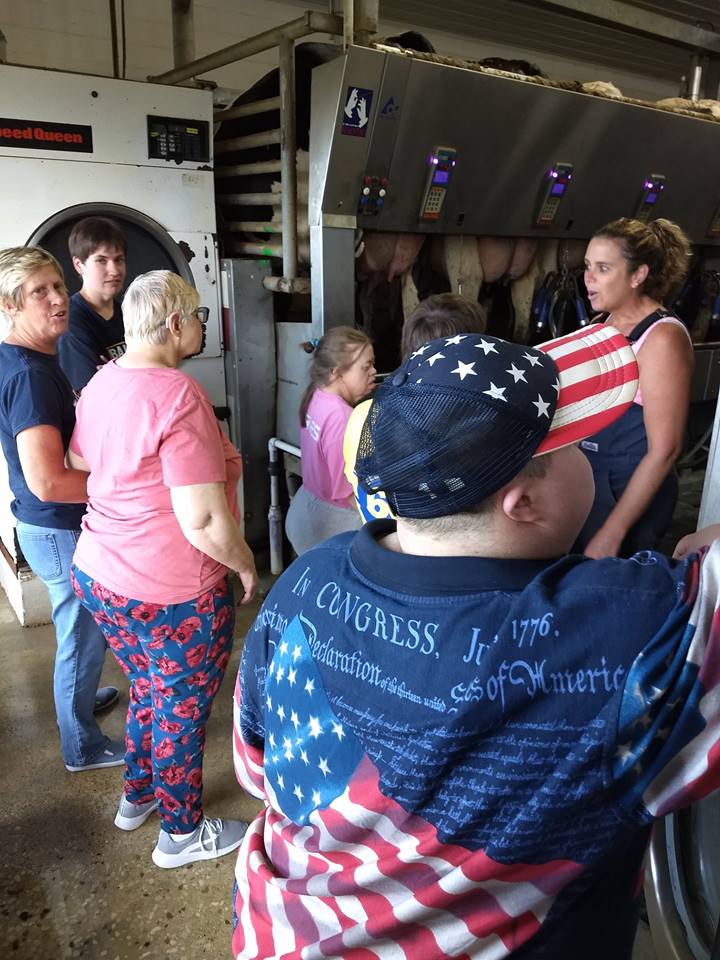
x: 461, y: 734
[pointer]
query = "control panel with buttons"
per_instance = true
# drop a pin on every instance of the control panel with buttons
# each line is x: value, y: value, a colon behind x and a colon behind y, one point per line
x: 653, y: 187
x: 441, y: 161
x: 555, y: 185
x: 372, y: 194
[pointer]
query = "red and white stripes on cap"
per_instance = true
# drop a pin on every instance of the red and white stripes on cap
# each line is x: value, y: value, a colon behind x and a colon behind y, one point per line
x: 598, y: 380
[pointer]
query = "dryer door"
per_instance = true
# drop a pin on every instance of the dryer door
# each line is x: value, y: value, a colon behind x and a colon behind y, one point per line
x: 682, y: 888
x: 149, y: 246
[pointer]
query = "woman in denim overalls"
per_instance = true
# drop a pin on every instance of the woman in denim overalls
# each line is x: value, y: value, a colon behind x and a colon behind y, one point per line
x: 629, y: 267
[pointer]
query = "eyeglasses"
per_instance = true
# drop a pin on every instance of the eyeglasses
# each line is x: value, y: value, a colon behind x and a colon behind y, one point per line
x: 202, y: 314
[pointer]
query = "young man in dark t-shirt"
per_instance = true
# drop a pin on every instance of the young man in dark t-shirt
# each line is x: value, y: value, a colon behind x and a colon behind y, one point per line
x: 95, y: 331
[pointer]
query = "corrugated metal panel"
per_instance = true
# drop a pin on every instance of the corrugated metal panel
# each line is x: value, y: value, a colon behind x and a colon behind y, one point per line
x: 706, y: 15
x: 514, y: 22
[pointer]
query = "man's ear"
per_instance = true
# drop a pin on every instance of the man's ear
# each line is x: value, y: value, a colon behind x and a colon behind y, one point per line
x: 77, y: 264
x: 519, y: 500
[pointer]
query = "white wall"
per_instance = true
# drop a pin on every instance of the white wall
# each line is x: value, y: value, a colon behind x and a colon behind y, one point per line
x: 75, y: 35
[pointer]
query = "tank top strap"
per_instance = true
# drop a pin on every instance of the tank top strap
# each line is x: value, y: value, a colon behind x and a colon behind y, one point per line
x: 646, y: 323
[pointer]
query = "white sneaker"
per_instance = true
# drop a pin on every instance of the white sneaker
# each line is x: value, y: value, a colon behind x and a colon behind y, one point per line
x: 130, y: 816
x: 209, y: 840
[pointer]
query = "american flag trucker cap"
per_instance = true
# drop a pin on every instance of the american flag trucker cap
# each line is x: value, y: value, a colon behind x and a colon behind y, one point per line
x: 464, y: 414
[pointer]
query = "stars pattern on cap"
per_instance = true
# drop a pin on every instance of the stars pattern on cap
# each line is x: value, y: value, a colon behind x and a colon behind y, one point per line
x: 465, y: 370
x: 505, y: 372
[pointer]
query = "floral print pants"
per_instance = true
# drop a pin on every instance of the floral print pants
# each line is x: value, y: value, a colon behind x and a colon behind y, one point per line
x: 175, y: 657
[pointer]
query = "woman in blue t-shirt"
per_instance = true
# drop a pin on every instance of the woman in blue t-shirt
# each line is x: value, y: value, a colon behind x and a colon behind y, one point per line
x: 37, y: 417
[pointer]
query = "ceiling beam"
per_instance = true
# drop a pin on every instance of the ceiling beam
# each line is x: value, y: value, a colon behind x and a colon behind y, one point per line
x: 635, y: 20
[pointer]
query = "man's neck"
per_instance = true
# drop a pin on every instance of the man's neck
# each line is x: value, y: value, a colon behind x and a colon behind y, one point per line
x: 100, y: 304
x: 497, y: 543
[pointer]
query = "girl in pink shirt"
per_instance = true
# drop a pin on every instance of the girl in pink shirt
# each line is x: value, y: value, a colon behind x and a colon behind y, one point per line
x: 342, y: 372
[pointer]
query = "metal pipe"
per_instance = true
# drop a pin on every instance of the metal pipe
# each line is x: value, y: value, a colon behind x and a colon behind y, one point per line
x: 249, y: 199
x: 283, y: 285
x: 254, y: 226
x: 348, y: 23
x: 262, y: 139
x: 696, y: 72
x: 114, y: 39
x: 247, y: 109
x: 245, y: 169
x: 366, y: 21
x: 259, y: 249
x: 275, y: 516
x: 312, y: 21
x: 183, y: 31
x: 288, y: 154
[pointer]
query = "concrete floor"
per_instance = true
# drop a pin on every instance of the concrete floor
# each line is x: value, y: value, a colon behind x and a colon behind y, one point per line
x: 74, y: 886
x: 71, y: 884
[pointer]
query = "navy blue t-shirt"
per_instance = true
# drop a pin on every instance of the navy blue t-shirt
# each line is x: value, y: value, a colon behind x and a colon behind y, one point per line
x: 90, y: 341
x: 33, y: 392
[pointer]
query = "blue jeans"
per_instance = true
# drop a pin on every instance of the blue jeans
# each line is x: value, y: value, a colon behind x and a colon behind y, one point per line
x: 80, y: 644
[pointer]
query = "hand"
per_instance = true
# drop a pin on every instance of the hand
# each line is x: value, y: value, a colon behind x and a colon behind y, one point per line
x: 603, y: 544
x: 362, y: 112
x: 247, y: 573
x: 694, y: 541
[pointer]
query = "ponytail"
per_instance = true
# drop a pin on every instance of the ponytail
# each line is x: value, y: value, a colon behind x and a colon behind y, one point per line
x: 338, y: 349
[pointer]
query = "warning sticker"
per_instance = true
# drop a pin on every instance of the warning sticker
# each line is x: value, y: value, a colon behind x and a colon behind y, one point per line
x: 356, y: 111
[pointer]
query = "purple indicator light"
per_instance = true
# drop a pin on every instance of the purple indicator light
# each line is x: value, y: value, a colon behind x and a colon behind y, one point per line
x: 553, y: 174
x: 435, y: 160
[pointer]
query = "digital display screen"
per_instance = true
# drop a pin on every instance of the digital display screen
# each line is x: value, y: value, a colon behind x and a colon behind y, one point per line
x: 558, y: 189
x: 441, y: 176
x: 651, y: 197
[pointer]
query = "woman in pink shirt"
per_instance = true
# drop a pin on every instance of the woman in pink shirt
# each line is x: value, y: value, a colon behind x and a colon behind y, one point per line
x: 152, y: 564
x: 342, y: 372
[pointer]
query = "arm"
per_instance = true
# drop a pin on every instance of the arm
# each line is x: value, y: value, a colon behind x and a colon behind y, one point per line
x: 42, y: 459
x: 666, y: 364
x: 668, y: 727
x: 697, y: 540
x: 202, y: 511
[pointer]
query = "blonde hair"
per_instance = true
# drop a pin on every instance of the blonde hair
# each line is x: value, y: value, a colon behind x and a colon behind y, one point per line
x: 149, y: 301
x: 337, y: 350
x: 660, y: 245
x: 16, y: 265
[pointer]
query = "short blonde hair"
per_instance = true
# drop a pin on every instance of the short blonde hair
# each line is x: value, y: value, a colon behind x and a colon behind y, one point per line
x: 16, y: 265
x: 149, y: 301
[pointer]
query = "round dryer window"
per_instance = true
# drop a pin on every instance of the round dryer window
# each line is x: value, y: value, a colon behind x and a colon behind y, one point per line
x: 682, y: 887
x: 149, y: 246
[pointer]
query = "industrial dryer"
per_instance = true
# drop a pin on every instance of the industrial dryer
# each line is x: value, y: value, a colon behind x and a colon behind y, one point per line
x: 73, y: 146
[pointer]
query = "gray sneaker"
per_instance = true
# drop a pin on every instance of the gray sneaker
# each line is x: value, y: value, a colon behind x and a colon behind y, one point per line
x: 130, y: 816
x: 112, y: 755
x: 210, y: 839
x: 105, y: 697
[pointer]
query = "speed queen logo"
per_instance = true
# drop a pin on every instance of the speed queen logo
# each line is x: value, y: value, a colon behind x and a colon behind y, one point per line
x: 45, y: 135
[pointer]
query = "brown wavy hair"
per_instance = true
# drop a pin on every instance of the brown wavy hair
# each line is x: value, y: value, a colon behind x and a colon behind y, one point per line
x: 338, y: 350
x: 661, y: 245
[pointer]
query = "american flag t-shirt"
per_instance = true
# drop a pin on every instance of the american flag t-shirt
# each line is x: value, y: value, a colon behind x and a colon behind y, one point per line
x: 347, y: 852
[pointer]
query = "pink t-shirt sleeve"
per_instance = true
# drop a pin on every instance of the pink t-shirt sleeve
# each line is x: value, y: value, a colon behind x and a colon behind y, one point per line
x: 191, y: 449
x: 331, y: 445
